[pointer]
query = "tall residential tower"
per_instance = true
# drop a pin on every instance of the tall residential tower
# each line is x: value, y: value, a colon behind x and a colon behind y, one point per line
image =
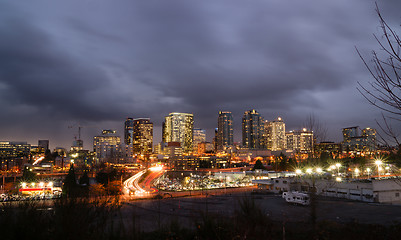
x: 142, y: 136
x: 128, y: 129
x: 178, y: 127
x: 199, y: 136
x: 225, y: 132
x: 253, y: 130
x: 275, y: 135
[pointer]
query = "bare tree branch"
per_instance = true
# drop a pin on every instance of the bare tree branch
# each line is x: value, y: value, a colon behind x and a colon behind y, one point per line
x: 384, y: 92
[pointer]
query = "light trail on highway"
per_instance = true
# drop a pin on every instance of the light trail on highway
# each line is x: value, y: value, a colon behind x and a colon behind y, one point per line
x: 132, y: 185
x: 38, y: 160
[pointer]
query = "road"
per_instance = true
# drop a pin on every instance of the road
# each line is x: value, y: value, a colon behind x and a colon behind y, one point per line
x: 131, y: 185
x: 145, y: 188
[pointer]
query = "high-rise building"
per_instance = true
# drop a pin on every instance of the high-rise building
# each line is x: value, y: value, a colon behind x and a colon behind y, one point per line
x: 128, y: 130
x: 44, y: 144
x: 199, y: 136
x: 225, y: 131
x: 178, y: 127
x: 350, y: 132
x: 355, y: 143
x: 252, y: 130
x: 205, y: 147
x: 300, y: 141
x: 370, y: 139
x: 275, y: 135
x: 13, y: 154
x: 77, y: 145
x: 142, y: 136
x: 107, y: 147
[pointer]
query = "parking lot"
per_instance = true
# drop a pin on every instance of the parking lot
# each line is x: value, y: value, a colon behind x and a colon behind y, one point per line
x: 149, y: 214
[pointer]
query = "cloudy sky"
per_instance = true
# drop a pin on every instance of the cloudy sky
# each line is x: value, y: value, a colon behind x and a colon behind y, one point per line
x: 95, y: 62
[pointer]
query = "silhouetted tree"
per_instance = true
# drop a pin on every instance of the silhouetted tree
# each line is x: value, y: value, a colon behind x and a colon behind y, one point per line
x: 28, y: 175
x: 384, y: 92
x: 84, y: 179
x: 258, y: 165
x: 70, y: 183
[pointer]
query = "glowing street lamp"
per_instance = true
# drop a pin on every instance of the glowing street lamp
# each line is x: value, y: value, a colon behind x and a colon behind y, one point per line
x: 368, y: 170
x: 356, y: 172
x: 298, y: 171
x: 319, y: 170
x: 338, y: 165
x: 378, y: 163
x: 387, y: 169
x: 309, y: 170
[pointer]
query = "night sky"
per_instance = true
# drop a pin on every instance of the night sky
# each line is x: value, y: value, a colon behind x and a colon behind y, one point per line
x: 95, y: 62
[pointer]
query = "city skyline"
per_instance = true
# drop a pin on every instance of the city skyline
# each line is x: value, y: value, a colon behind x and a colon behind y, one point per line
x: 94, y: 64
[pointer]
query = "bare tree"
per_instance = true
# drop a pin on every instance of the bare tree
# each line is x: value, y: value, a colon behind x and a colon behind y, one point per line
x: 319, y: 129
x: 384, y: 92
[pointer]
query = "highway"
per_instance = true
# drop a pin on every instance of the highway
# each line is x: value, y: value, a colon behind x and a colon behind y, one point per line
x: 145, y: 188
x: 131, y: 185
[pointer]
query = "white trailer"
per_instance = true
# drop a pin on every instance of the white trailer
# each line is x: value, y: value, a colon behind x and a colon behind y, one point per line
x: 297, y: 198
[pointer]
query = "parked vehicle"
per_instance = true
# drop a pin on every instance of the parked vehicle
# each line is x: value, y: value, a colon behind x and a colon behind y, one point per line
x: 297, y: 198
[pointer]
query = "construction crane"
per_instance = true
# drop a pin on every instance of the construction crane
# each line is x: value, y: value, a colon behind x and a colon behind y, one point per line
x: 79, y: 131
x: 77, y: 144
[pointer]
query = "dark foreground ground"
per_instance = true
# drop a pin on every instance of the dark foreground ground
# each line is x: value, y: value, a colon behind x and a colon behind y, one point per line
x: 150, y: 214
x: 228, y: 214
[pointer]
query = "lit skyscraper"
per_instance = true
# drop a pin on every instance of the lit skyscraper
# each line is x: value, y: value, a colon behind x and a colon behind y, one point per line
x: 128, y: 130
x: 225, y: 132
x: 13, y: 154
x: 252, y: 130
x: 142, y: 136
x: 300, y: 141
x: 350, y: 132
x: 353, y: 142
x: 275, y: 135
x: 107, y: 147
x: 199, y: 136
x: 370, y: 139
x: 178, y: 127
x: 44, y: 144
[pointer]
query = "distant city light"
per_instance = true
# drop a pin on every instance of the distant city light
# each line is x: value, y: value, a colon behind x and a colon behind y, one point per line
x: 156, y: 169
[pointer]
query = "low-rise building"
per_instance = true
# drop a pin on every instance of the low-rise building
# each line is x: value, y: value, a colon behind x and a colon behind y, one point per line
x: 375, y: 190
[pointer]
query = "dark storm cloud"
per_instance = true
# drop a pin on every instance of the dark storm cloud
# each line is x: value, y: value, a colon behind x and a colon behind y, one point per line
x: 101, y: 61
x: 36, y: 72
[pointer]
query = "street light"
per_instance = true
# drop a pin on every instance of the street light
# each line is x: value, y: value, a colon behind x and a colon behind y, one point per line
x: 338, y: 165
x: 319, y: 170
x: 388, y: 170
x: 368, y: 170
x: 356, y: 172
x: 378, y: 163
x: 298, y: 171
